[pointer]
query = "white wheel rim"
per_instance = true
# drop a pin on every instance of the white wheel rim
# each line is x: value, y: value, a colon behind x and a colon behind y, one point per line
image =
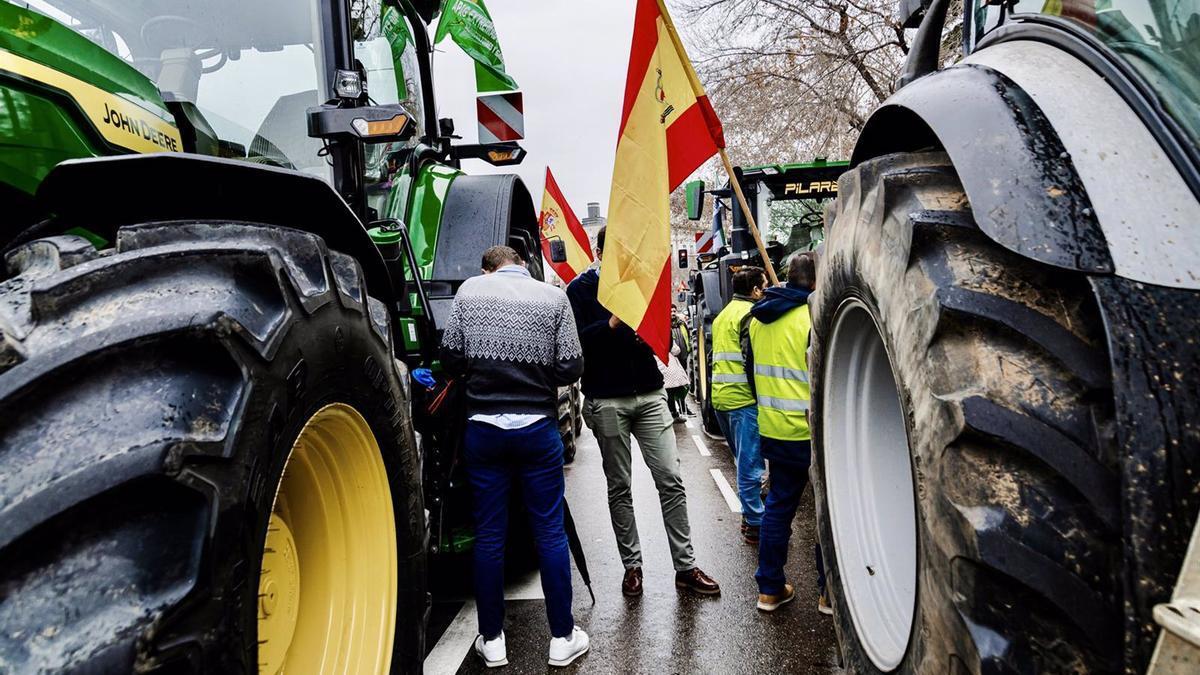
x: 868, y: 474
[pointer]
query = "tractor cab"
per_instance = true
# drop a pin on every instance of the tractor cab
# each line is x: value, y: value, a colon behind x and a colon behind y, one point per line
x: 787, y: 202
x: 234, y: 80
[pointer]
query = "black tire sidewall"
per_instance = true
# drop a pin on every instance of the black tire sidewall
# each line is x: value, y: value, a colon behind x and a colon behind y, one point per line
x: 329, y: 357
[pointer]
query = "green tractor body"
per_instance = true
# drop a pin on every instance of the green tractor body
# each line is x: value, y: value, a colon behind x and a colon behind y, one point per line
x: 250, y: 226
x: 59, y: 93
x: 77, y: 93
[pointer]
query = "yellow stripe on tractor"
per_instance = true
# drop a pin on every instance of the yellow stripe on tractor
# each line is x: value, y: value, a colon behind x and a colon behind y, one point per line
x: 119, y: 120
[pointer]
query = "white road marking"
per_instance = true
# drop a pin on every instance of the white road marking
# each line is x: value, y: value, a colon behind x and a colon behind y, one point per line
x: 701, y: 445
x: 726, y: 490
x: 455, y: 644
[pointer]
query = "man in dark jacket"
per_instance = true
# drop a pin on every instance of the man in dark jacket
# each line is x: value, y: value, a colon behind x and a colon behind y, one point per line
x: 514, y: 341
x: 625, y: 396
x: 774, y: 349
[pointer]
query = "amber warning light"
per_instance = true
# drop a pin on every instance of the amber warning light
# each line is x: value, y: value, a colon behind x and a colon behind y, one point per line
x: 374, y: 129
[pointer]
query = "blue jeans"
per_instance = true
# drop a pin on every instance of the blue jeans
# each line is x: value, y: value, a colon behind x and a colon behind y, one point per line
x: 741, y: 432
x: 532, y: 457
x: 788, y: 479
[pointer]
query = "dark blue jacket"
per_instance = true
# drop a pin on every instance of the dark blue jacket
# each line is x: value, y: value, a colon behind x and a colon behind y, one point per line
x: 777, y: 301
x: 617, y: 362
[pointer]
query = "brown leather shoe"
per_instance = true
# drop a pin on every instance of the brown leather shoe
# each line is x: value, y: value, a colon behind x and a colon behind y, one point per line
x: 751, y: 535
x: 696, y: 580
x: 631, y: 585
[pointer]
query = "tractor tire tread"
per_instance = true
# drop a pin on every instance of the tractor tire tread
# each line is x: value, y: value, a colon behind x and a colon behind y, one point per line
x: 136, y: 370
x: 1005, y: 383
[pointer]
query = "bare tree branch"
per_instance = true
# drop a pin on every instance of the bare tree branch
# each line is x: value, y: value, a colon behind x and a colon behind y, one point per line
x: 793, y: 79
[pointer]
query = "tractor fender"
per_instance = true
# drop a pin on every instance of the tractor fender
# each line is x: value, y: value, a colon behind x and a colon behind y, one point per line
x: 709, y: 282
x: 102, y: 194
x: 1145, y: 207
x: 1081, y: 186
x: 1023, y: 189
x: 481, y: 212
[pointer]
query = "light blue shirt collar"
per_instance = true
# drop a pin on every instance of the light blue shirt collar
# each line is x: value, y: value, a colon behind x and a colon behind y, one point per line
x: 513, y: 269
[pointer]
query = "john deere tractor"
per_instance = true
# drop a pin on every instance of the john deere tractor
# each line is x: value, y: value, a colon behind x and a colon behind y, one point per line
x: 783, y: 198
x: 1006, y: 342
x: 229, y: 231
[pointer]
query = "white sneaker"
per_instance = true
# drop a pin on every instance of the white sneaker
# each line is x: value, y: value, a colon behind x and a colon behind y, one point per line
x: 493, y: 652
x: 564, y: 650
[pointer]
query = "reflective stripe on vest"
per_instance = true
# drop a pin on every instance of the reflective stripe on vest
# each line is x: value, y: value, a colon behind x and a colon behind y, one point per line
x: 730, y: 386
x: 781, y: 375
x: 781, y: 372
x: 782, y: 403
x: 730, y: 377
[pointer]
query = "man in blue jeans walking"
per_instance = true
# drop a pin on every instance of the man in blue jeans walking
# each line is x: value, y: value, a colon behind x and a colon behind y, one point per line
x: 513, y: 340
x: 733, y: 396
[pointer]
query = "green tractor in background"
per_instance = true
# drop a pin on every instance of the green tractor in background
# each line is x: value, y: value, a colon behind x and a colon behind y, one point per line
x: 230, y: 232
x: 787, y: 202
x: 1004, y: 356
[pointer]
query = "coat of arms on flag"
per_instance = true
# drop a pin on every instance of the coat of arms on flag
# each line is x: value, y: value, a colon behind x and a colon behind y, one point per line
x: 668, y: 129
x: 558, y: 222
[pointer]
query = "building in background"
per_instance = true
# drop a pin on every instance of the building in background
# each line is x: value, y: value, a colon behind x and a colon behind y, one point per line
x: 594, y: 221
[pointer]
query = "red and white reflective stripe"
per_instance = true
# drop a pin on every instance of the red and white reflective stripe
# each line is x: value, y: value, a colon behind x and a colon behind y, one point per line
x: 501, y: 117
x: 704, y: 242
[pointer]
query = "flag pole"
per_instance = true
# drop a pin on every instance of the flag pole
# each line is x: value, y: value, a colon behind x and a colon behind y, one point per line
x: 737, y: 190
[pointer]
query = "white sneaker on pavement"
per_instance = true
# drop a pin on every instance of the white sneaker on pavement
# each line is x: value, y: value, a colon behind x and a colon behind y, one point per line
x: 493, y: 652
x: 564, y: 650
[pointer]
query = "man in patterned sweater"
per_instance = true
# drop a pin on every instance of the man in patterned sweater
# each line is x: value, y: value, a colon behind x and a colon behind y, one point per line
x: 513, y: 341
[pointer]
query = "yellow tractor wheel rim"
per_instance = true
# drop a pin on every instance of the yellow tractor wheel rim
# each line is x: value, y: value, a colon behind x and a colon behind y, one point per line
x: 327, y: 592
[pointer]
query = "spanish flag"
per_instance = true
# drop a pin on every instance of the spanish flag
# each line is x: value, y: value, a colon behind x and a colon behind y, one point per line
x: 668, y: 129
x: 558, y: 221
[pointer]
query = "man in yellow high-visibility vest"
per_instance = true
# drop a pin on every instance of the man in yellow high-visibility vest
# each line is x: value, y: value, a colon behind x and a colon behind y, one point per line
x: 775, y: 350
x: 733, y: 397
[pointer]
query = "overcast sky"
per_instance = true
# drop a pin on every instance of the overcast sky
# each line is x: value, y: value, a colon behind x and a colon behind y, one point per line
x: 570, y: 58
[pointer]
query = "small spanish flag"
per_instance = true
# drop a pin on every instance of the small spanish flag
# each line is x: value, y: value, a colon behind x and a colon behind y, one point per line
x: 668, y: 129
x: 558, y: 221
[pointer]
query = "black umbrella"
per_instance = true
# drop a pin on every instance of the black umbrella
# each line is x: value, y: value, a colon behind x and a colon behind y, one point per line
x: 577, y: 548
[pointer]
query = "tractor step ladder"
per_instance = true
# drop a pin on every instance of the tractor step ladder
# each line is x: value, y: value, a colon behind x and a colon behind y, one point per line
x: 1178, y: 649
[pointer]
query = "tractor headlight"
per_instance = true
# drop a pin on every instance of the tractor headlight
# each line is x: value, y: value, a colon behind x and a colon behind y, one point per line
x: 348, y: 84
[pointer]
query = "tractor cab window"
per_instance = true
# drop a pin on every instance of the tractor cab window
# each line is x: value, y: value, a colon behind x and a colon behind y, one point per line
x: 252, y: 68
x: 802, y: 224
x: 797, y: 224
x: 1159, y: 38
x: 385, y: 46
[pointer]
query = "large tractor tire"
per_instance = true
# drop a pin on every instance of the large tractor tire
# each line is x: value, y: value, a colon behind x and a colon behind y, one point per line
x: 207, y: 462
x: 966, y: 488
x: 703, y: 395
x: 567, y: 427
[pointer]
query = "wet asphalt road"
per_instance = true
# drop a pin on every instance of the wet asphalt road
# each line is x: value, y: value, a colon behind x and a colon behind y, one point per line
x: 666, y: 630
